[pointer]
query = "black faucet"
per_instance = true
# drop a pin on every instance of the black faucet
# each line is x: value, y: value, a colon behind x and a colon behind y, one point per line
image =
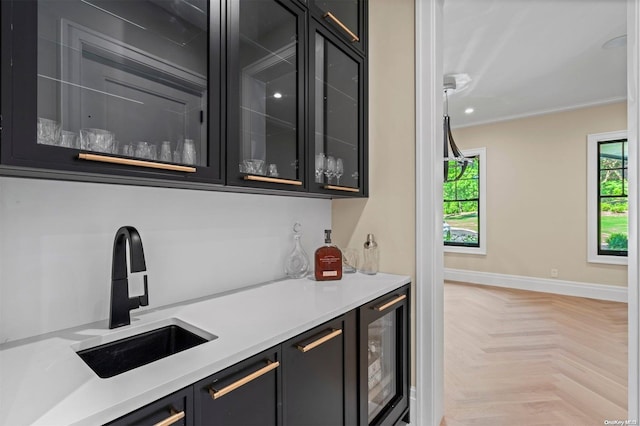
x: 121, y: 304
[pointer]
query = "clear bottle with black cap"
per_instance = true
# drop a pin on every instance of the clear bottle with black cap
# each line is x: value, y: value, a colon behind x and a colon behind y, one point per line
x: 371, y: 256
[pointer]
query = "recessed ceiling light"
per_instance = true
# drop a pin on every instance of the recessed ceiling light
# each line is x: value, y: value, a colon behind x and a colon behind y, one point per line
x: 620, y: 41
x: 468, y: 111
x: 277, y: 95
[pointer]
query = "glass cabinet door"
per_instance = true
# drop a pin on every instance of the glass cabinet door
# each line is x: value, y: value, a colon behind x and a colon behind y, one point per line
x: 121, y: 80
x: 266, y: 101
x: 381, y: 364
x: 336, y: 117
x: 384, y: 359
x: 345, y: 17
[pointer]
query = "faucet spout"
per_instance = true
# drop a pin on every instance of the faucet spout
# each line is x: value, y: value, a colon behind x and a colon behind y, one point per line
x: 121, y: 303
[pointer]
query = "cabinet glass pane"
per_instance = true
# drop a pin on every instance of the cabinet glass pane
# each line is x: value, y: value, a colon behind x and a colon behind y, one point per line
x: 336, y: 116
x: 381, y: 363
x: 344, y: 10
x: 268, y: 89
x: 124, y: 77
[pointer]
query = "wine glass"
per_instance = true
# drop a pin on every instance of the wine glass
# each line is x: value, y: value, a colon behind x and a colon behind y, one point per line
x: 320, y: 159
x: 330, y: 169
x: 339, y: 169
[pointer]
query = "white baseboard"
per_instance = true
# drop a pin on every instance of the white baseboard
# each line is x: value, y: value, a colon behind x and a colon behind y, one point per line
x: 546, y: 285
x: 412, y: 405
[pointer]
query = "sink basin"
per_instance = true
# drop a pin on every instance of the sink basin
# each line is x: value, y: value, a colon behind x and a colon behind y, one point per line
x: 111, y: 359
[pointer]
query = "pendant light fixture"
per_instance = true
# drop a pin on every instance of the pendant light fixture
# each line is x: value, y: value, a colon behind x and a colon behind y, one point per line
x: 449, y: 143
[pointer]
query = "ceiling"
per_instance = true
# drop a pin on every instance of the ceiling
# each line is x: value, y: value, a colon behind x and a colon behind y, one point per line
x: 528, y: 57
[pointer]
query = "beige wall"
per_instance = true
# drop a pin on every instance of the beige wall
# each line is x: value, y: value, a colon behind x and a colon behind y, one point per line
x: 537, y: 195
x: 389, y: 212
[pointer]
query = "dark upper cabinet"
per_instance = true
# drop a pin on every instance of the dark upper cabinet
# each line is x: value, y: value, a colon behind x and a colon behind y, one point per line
x: 175, y: 409
x: 346, y: 18
x: 320, y: 375
x: 246, y: 394
x: 337, y: 116
x: 111, y: 87
x: 266, y: 94
x: 384, y: 359
x: 263, y: 94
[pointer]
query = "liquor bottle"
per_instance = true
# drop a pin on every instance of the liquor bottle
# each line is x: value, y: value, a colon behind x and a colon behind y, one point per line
x: 328, y: 260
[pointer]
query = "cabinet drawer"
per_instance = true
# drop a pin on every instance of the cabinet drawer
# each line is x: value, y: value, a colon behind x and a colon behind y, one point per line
x: 245, y: 394
x: 174, y: 409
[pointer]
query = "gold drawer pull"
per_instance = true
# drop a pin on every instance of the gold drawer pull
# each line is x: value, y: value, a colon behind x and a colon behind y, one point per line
x: 315, y: 343
x: 137, y: 163
x: 175, y: 416
x: 342, y: 188
x: 381, y: 308
x: 215, y: 394
x: 343, y: 26
x: 272, y: 180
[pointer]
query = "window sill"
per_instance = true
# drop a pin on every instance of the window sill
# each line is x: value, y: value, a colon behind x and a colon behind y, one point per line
x: 466, y: 250
x: 608, y: 260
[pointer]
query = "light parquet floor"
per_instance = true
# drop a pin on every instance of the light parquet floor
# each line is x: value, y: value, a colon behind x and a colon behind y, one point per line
x: 516, y: 357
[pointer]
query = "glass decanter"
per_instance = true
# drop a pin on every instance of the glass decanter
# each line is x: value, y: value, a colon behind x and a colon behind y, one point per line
x: 297, y: 263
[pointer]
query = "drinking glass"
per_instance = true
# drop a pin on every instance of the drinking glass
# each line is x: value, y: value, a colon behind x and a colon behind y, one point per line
x: 339, y: 169
x: 189, y: 152
x: 350, y: 260
x: 320, y: 159
x: 98, y: 140
x: 48, y: 131
x: 143, y: 150
x: 165, y: 151
x: 273, y: 170
x: 69, y: 139
x: 127, y: 150
x: 330, y: 169
x: 153, y: 151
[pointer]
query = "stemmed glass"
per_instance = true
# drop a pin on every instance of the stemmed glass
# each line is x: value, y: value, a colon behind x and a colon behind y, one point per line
x: 330, y: 169
x: 339, y: 169
x: 320, y: 160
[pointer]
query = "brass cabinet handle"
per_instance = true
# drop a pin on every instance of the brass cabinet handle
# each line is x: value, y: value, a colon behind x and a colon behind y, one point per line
x: 346, y: 29
x: 273, y: 180
x: 315, y: 343
x: 382, y: 307
x: 137, y: 163
x: 215, y: 394
x: 175, y: 416
x: 342, y: 188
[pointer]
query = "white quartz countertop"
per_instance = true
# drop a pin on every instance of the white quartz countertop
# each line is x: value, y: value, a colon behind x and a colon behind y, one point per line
x: 44, y: 382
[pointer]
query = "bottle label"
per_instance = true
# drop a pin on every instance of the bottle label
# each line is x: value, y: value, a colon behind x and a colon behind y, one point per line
x: 330, y: 260
x: 329, y: 273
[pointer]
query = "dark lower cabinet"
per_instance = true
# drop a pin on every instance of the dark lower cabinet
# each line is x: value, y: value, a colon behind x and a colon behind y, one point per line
x: 384, y: 359
x: 174, y: 409
x: 352, y: 370
x: 246, y: 394
x: 320, y: 375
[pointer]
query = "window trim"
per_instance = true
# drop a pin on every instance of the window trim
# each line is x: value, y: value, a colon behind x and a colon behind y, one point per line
x: 482, y: 249
x: 592, y: 197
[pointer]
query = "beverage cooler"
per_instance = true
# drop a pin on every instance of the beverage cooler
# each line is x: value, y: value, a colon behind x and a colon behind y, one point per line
x: 384, y: 359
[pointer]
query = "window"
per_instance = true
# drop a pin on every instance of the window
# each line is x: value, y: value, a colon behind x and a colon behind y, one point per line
x: 607, y: 208
x: 464, y: 226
